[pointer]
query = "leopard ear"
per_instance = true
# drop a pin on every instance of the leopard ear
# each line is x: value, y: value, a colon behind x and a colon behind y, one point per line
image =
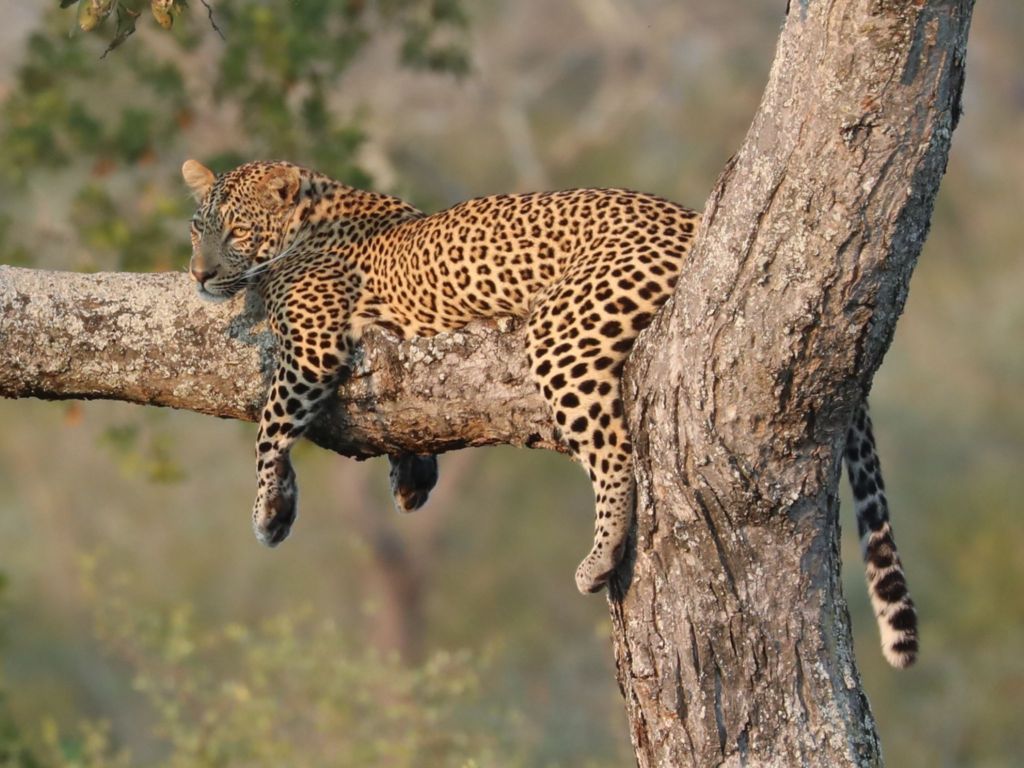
x: 280, y: 187
x: 198, y: 177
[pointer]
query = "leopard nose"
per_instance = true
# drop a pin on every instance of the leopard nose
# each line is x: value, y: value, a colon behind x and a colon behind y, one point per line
x: 202, y: 275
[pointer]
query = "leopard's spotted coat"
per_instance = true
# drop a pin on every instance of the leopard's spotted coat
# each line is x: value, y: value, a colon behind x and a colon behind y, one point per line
x: 586, y: 268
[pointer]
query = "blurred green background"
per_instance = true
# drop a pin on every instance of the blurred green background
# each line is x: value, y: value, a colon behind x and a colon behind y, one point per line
x: 141, y: 624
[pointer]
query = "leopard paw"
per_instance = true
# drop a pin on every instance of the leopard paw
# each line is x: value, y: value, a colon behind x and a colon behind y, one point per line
x: 593, y: 573
x: 597, y: 567
x: 276, y: 507
x: 412, y: 479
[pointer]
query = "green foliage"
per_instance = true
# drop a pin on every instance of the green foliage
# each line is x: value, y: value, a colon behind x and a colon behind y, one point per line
x: 88, y: 747
x: 43, y: 124
x: 270, y: 83
x: 421, y: 48
x: 293, y: 690
x: 142, y: 448
x: 293, y: 33
x: 11, y: 252
x: 14, y: 752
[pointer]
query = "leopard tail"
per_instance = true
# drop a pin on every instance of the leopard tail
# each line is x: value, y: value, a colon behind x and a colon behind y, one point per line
x: 887, y: 584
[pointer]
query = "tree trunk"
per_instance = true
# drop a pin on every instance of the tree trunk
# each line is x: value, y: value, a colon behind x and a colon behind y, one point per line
x: 731, y: 634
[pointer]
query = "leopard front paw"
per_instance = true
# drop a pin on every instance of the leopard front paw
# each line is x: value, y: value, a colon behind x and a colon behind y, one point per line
x: 276, y: 506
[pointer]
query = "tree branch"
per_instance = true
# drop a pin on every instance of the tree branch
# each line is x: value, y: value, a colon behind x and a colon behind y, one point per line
x: 148, y: 339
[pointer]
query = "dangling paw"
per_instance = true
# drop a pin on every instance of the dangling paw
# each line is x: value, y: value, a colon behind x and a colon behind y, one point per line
x: 276, y: 505
x: 597, y: 567
x: 412, y: 479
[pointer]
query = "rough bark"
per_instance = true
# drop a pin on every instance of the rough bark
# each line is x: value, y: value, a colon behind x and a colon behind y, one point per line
x: 148, y: 339
x: 731, y: 635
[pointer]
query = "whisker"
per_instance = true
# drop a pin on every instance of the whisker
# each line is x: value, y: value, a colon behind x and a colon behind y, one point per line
x: 258, y: 269
x: 242, y: 279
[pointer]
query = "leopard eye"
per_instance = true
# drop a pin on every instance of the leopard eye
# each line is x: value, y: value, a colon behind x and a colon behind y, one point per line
x: 237, y: 233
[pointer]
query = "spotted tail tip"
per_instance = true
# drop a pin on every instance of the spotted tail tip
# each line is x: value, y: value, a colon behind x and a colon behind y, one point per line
x: 890, y: 599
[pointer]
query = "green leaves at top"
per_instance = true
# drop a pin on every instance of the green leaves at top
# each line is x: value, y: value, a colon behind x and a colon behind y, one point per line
x: 126, y: 18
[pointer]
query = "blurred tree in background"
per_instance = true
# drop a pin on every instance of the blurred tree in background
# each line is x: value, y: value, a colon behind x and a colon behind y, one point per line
x: 469, y: 604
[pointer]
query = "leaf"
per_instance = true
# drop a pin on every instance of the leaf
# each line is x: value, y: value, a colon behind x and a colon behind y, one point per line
x: 92, y: 12
x: 161, y: 10
x: 126, y: 19
x: 87, y: 17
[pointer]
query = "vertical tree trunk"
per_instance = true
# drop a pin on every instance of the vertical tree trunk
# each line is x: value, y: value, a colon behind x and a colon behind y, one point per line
x: 732, y: 638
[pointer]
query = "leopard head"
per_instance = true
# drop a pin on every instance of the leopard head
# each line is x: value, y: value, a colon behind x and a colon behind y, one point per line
x: 243, y: 221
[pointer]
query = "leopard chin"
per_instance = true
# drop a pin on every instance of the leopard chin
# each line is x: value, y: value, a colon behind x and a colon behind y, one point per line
x: 213, y: 298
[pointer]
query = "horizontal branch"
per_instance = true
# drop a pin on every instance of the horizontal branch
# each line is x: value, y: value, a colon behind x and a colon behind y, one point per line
x: 148, y: 339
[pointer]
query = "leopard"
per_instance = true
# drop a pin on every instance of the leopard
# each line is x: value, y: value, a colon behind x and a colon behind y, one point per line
x: 585, y: 270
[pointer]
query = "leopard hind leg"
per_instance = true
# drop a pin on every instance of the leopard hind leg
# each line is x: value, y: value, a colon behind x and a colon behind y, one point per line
x: 576, y: 356
x: 412, y: 478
